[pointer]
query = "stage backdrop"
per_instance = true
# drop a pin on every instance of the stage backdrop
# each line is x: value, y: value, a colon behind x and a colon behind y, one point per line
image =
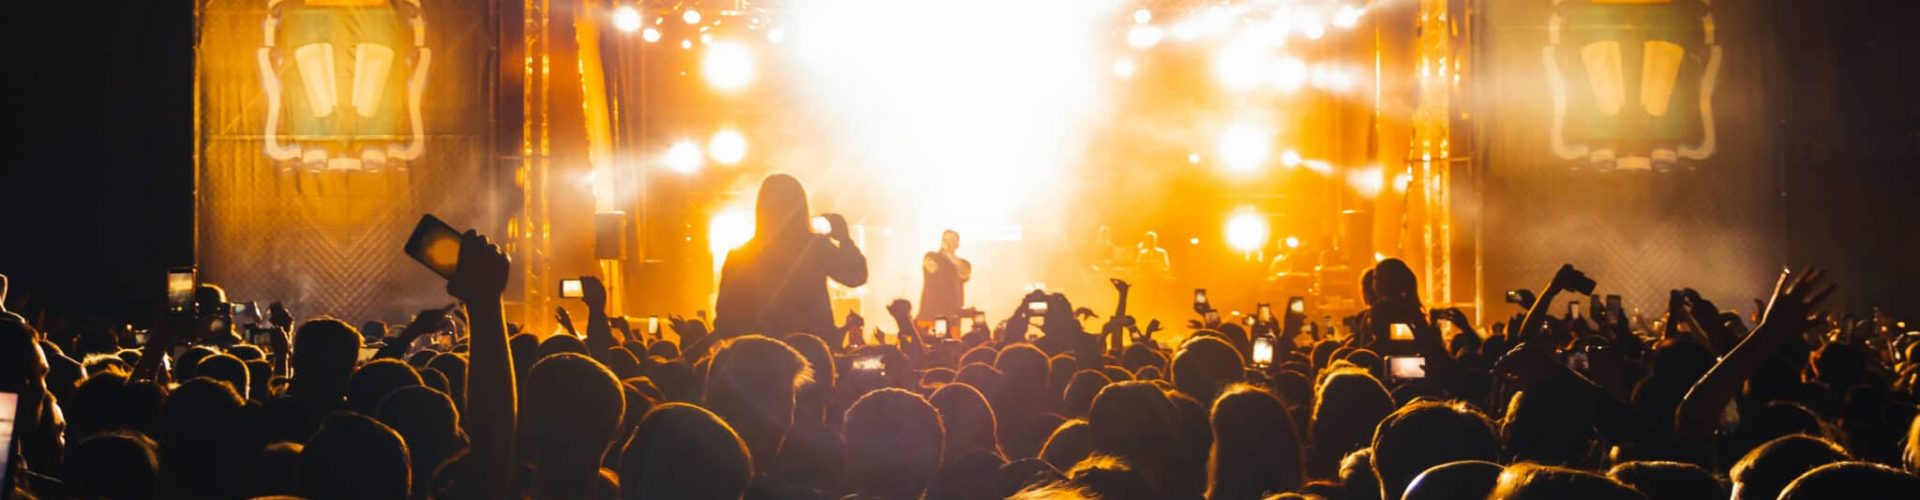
x: 1629, y: 138
x: 324, y: 129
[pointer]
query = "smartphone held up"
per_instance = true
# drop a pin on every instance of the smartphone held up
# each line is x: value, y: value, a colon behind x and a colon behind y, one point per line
x: 435, y: 245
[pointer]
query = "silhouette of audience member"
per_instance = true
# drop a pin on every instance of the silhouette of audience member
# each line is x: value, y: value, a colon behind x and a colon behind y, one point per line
x: 1766, y: 470
x: 1462, y: 480
x: 1204, y: 366
x: 1526, y: 481
x: 112, y: 465
x: 1668, y: 480
x: 201, y: 440
x: 1347, y: 405
x: 1851, y: 480
x: 1135, y: 422
x: 681, y: 451
x: 1425, y: 434
x: 894, y: 441
x: 574, y: 406
x: 776, y: 282
x: 968, y: 420
x: 751, y: 383
x: 427, y: 420
x: 1255, y: 450
x: 324, y: 353
x: 353, y: 456
x: 374, y: 381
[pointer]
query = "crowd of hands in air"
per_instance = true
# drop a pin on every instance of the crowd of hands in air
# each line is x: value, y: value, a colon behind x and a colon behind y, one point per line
x: 1689, y: 403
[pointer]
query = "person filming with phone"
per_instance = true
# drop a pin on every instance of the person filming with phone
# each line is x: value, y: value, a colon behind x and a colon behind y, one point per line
x: 943, y: 293
x: 775, y: 284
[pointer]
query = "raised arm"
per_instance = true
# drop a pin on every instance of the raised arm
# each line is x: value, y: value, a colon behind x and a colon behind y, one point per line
x: 599, y: 330
x: 491, y: 405
x: 845, y: 264
x: 1794, y: 297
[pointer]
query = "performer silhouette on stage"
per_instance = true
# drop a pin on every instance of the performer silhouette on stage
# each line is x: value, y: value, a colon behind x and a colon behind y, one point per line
x: 943, y: 293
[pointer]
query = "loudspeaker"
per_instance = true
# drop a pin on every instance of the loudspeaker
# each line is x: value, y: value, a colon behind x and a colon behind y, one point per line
x: 610, y: 235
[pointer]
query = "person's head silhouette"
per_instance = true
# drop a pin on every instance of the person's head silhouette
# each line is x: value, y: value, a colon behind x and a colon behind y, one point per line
x: 1255, y: 448
x: 751, y: 383
x: 682, y: 451
x: 353, y: 456
x: 572, y: 412
x: 893, y: 444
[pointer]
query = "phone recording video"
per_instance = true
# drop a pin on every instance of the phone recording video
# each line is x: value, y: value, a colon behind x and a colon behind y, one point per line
x: 1406, y: 367
x: 939, y: 330
x: 436, y: 245
x: 1573, y: 310
x: 1262, y: 351
x: 572, y: 289
x: 820, y: 225
x: 180, y: 281
x: 1038, y: 307
x: 870, y: 364
x: 1400, y: 331
x: 1264, y: 312
x: 1297, y: 305
x: 1200, y: 298
x: 966, y: 325
x: 653, y: 326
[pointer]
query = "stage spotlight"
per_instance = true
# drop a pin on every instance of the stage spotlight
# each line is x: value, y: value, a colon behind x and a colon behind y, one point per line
x: 1366, y: 182
x: 727, y: 230
x: 650, y: 35
x: 1307, y: 22
x: 1332, y: 79
x: 777, y: 35
x: 1290, y: 74
x: 1246, y: 231
x: 683, y: 157
x: 1240, y: 65
x: 1142, y: 16
x: 1293, y: 242
x: 1123, y: 68
x: 728, y: 65
x: 1144, y: 37
x: 626, y: 18
x: 1244, y: 147
x: 1290, y: 158
x: 727, y: 147
x: 691, y: 16
x: 1348, y: 16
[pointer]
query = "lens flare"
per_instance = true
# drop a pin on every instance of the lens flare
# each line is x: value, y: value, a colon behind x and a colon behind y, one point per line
x: 728, y: 229
x: 727, y: 147
x: 1246, y: 231
x: 626, y: 18
x: 690, y: 16
x: 1144, y: 37
x: 728, y: 65
x: 683, y: 157
x: 650, y: 34
x: 1243, y: 147
x: 1123, y: 68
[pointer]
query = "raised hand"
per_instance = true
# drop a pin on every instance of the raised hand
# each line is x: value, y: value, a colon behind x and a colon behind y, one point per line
x: 482, y: 273
x: 1570, y: 279
x: 900, y: 309
x: 425, y: 322
x: 565, y: 319
x: 1120, y: 285
x: 1794, y: 297
x: 837, y: 228
x: 593, y: 293
x: 277, y: 315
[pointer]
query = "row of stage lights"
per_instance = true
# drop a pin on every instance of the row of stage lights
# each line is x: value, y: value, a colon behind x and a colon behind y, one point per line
x: 1251, y: 57
x: 727, y: 66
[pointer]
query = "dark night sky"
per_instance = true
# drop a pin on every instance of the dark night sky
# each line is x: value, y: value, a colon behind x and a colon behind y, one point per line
x: 104, y: 204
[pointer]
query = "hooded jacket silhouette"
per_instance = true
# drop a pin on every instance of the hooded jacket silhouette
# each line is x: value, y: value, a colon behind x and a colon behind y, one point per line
x: 775, y: 284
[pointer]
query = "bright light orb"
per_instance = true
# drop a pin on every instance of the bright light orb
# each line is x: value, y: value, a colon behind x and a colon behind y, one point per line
x: 1239, y: 66
x: 1144, y: 37
x: 1142, y: 16
x: 1293, y: 242
x: 1123, y: 68
x: 650, y: 35
x: 729, y: 229
x: 684, y: 157
x: 690, y: 16
x: 727, y: 147
x: 1348, y: 16
x: 626, y: 18
x: 777, y: 35
x: 1244, y: 147
x: 1290, y: 74
x: 1290, y: 158
x: 1246, y: 231
x: 728, y: 65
